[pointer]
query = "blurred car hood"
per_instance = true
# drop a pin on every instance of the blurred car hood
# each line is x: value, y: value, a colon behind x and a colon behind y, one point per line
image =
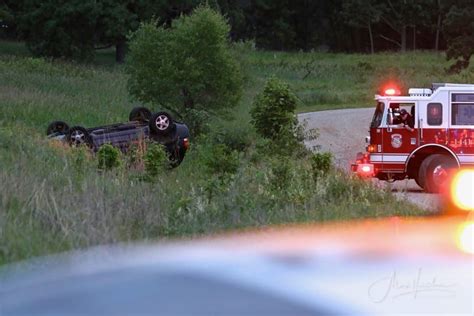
x: 386, y: 266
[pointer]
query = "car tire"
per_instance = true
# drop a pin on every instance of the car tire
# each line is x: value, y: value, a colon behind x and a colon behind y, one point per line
x: 435, y: 171
x: 78, y: 136
x: 57, y: 127
x: 140, y: 114
x: 161, y: 123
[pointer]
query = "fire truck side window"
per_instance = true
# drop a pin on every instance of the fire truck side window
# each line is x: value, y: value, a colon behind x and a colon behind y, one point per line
x: 397, y: 108
x: 435, y: 114
x: 463, y: 109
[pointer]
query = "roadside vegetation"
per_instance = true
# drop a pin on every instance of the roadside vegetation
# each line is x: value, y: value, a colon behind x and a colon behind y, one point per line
x: 236, y: 175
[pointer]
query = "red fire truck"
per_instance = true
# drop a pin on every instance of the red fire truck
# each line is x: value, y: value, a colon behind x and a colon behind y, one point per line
x: 422, y: 136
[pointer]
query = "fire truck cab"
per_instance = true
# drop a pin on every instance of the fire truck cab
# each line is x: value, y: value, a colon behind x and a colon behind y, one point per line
x: 422, y: 136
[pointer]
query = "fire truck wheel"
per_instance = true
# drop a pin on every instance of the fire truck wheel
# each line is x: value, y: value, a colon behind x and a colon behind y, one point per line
x: 434, y: 172
x: 420, y: 181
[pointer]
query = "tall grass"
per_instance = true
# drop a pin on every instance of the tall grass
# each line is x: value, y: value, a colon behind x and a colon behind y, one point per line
x: 53, y: 198
x: 327, y: 81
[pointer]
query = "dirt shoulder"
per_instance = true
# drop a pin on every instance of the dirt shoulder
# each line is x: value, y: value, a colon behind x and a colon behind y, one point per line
x: 342, y: 132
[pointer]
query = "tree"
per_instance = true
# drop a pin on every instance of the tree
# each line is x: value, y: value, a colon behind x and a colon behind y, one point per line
x: 74, y: 28
x: 239, y: 14
x: 273, y: 24
x: 59, y: 29
x: 273, y: 112
x: 459, y: 34
x: 398, y: 15
x: 186, y: 68
x: 116, y: 18
x: 363, y: 14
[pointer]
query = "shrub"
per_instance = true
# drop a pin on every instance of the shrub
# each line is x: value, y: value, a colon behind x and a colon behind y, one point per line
x: 220, y: 160
x: 236, y: 138
x: 156, y: 160
x: 320, y: 164
x: 273, y: 112
x: 109, y: 157
x: 187, y: 68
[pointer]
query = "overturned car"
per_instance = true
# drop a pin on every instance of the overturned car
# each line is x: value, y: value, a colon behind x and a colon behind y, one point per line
x: 158, y: 127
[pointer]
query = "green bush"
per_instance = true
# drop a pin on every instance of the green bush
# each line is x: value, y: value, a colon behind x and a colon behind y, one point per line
x: 236, y: 138
x: 187, y: 68
x: 273, y: 112
x: 156, y: 160
x: 219, y: 159
x: 109, y: 157
x: 320, y: 164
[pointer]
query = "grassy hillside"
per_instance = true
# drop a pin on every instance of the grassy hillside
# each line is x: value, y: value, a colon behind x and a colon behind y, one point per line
x: 53, y: 198
x: 327, y: 81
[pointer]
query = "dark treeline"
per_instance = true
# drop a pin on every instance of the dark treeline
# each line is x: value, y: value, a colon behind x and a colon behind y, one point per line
x: 339, y: 25
x: 74, y: 28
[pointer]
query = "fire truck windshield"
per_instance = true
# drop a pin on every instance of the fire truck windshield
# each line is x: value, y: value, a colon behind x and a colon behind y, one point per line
x: 378, y: 115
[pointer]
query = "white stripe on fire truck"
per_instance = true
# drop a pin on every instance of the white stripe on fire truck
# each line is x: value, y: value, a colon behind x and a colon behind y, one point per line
x: 466, y: 158
x: 391, y: 158
x: 388, y: 158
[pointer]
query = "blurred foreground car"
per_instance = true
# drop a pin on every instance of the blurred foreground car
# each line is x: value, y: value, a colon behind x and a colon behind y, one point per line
x: 158, y: 127
x: 388, y: 266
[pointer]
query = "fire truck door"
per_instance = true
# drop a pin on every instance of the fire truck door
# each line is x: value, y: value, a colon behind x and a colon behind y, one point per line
x: 400, y: 137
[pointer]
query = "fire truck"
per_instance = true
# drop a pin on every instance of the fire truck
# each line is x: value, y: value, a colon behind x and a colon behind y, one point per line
x: 424, y: 135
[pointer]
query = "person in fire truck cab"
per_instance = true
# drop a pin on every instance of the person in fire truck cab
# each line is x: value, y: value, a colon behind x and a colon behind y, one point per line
x: 407, y: 121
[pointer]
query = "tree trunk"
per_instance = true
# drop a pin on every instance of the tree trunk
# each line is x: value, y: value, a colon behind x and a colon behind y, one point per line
x: 414, y: 37
x: 357, y: 40
x: 438, y: 26
x: 371, y: 36
x: 403, y: 38
x: 120, y: 49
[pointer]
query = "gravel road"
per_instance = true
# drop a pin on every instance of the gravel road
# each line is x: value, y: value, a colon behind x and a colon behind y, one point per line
x: 342, y: 132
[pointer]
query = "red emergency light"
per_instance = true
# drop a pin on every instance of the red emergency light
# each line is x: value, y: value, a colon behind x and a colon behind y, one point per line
x: 365, y: 170
x: 392, y: 92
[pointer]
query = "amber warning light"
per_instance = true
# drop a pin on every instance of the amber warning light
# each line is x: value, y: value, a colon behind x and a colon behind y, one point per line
x: 462, y: 189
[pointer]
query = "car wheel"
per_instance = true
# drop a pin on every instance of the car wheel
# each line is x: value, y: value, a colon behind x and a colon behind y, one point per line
x: 139, y: 114
x: 57, y: 127
x: 78, y: 136
x: 435, y: 172
x: 161, y: 123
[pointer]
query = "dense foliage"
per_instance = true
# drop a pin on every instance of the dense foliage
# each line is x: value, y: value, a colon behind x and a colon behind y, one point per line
x: 282, y: 24
x: 74, y: 28
x: 273, y: 112
x: 187, y: 68
x: 459, y: 28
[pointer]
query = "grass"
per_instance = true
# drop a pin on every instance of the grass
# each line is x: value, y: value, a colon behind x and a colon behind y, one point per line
x: 53, y: 198
x: 326, y: 81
